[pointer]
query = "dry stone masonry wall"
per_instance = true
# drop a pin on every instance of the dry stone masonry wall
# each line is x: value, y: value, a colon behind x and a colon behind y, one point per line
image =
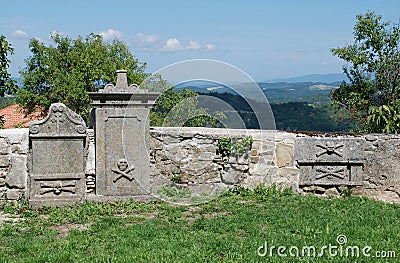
x: 14, y: 149
x: 325, y: 164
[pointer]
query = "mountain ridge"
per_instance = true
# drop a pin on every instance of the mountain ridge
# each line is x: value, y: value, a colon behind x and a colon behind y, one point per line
x: 323, y: 78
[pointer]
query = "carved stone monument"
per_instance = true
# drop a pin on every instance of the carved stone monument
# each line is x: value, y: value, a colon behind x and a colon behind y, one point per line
x: 329, y: 161
x: 57, y: 152
x: 122, y: 139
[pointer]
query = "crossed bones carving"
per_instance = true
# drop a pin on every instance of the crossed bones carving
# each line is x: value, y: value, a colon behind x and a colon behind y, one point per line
x: 123, y: 170
x: 57, y: 187
x: 330, y: 148
x: 330, y: 171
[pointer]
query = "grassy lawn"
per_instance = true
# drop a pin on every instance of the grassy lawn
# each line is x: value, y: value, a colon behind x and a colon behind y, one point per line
x: 231, y: 228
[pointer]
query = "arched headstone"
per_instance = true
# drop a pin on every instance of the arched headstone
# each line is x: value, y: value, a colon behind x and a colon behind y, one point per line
x: 57, y: 155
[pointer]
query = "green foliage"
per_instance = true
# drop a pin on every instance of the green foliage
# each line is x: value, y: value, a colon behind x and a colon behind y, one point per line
x: 234, y: 145
x: 174, y: 193
x: 6, y: 101
x: 176, y: 178
x: 224, y: 146
x: 373, y: 67
x: 7, y: 84
x: 348, y: 192
x: 294, y: 115
x: 66, y: 71
x: 180, y: 109
x: 260, y: 191
x: 385, y: 118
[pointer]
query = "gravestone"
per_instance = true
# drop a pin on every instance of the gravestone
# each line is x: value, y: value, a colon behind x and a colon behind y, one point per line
x: 57, y: 155
x: 330, y: 161
x: 121, y: 114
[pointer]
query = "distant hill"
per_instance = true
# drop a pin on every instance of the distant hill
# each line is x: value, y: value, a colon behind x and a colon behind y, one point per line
x: 279, y: 92
x: 323, y: 78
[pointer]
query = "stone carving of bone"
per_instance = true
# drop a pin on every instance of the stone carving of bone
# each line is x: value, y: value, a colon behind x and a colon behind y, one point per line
x: 330, y: 148
x: 330, y: 171
x: 57, y: 187
x: 123, y: 170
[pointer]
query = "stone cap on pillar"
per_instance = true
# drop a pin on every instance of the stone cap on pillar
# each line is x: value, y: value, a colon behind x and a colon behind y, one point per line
x: 122, y: 95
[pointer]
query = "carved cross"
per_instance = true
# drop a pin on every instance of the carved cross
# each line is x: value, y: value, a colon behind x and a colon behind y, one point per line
x: 57, y: 187
x: 58, y: 117
x: 330, y: 148
x: 329, y: 172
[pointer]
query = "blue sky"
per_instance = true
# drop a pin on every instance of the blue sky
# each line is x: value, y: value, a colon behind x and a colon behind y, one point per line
x: 265, y: 39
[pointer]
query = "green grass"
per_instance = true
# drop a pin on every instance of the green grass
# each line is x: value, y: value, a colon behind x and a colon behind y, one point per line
x: 228, y: 229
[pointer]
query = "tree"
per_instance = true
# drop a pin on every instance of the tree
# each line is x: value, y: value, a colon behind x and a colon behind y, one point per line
x: 371, y: 96
x: 7, y: 84
x: 66, y: 71
x: 177, y: 109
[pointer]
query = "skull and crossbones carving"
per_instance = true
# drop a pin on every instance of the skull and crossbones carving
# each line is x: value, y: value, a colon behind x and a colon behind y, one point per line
x: 123, y: 170
x: 330, y: 172
x: 330, y: 148
x: 57, y: 187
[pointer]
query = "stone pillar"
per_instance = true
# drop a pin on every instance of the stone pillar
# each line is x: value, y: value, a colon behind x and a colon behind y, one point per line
x: 122, y: 139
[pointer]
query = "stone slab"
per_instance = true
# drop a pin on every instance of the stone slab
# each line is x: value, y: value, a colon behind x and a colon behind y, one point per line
x: 315, y: 149
x: 57, y: 158
x: 122, y: 151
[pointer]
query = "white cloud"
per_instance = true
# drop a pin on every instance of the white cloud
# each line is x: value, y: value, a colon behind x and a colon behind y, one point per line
x: 172, y: 44
x: 210, y: 47
x: 193, y: 45
x: 154, y: 43
x: 110, y: 34
x: 148, y: 39
x: 19, y: 34
x: 324, y: 63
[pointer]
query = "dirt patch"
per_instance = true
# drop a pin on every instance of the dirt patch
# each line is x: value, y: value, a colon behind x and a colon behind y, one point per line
x: 63, y: 230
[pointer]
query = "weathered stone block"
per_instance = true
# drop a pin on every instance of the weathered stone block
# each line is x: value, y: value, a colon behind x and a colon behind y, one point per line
x: 330, y: 161
x: 316, y: 149
x: 288, y: 172
x: 4, y: 146
x: 284, y: 155
x: 332, y: 191
x: 334, y: 174
x: 14, y: 194
x: 4, y: 160
x: 230, y: 177
x: 18, y: 174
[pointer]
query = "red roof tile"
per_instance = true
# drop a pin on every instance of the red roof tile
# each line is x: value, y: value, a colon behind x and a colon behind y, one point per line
x: 15, y: 117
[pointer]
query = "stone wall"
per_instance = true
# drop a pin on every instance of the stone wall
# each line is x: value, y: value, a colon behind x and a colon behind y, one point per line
x: 324, y: 164
x: 193, y: 154
x: 14, y: 147
x: 318, y: 163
